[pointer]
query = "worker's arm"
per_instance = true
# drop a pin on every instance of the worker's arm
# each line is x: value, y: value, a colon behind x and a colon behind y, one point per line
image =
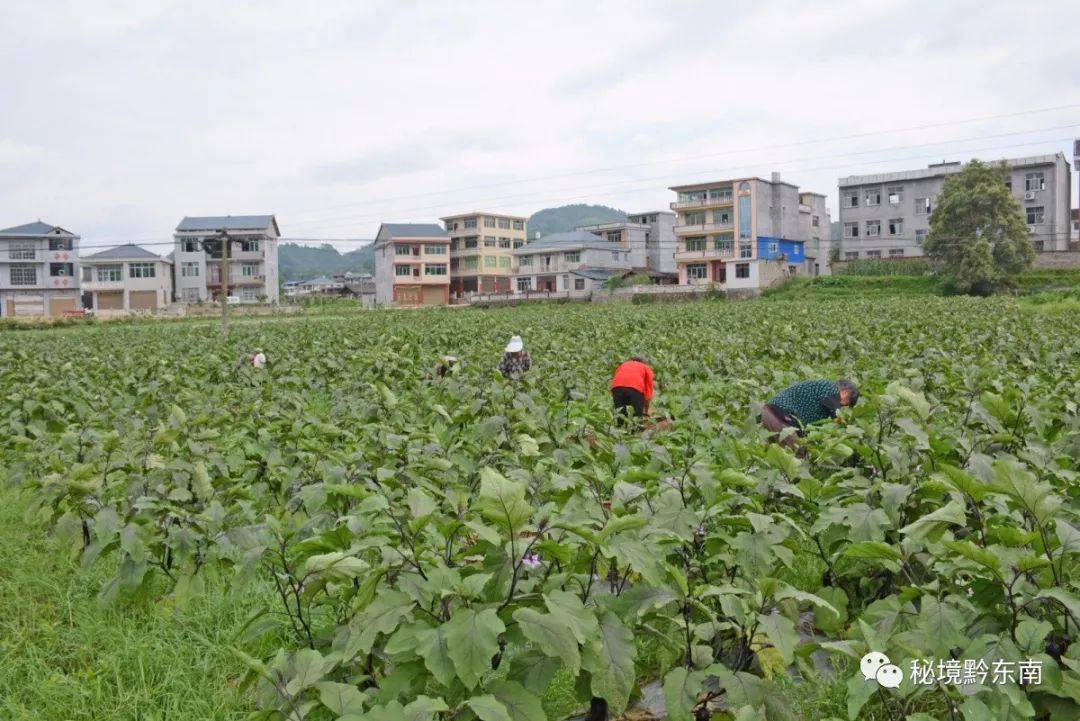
x: 648, y: 385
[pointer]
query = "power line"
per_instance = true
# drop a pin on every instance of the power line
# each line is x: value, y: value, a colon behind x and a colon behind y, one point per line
x: 488, y: 204
x: 704, y: 155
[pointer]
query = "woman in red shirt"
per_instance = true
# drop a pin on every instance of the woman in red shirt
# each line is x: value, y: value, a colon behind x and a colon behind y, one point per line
x: 632, y: 387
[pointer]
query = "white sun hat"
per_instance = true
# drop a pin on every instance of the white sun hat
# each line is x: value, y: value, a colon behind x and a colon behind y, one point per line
x: 515, y: 344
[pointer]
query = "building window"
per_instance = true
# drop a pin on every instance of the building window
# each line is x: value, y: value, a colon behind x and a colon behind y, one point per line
x: 490, y: 261
x: 472, y: 263
x: 922, y: 206
x: 773, y: 247
x: 851, y: 255
x: 815, y: 221
x: 87, y: 274
x: 519, y: 225
x: 920, y: 236
x: 402, y: 250
x: 435, y: 269
x: 742, y: 270
x: 1039, y: 246
x: 524, y: 285
x: 434, y: 250
x: 59, y: 243
x: 851, y: 230
x: 851, y: 199
x: 724, y: 243
x: 722, y: 217
x: 746, y: 250
x: 574, y: 257
x: 746, y: 222
x: 489, y: 222
x: 110, y: 273
x: 896, y: 252
x: 697, y: 271
x: 720, y: 194
x: 61, y: 270
x: 872, y: 196
x: 694, y: 219
x: 489, y: 241
x: 896, y: 226
x: 469, y: 223
x: 504, y: 261
x: 23, y: 274
x: 1035, y: 215
x: 695, y: 243
x: 873, y: 228
x: 896, y: 194
x: 249, y: 245
x: 504, y: 242
x: 402, y: 271
x: 189, y: 295
x: 579, y: 284
x: 519, y: 243
x: 22, y: 250
x: 1008, y: 182
x: 614, y: 236
x: 504, y: 223
x: 249, y: 270
x: 140, y: 270
x: 450, y: 225
x: 471, y: 242
x: 526, y: 260
x: 873, y: 254
x: 189, y: 270
x: 250, y: 294
x: 614, y: 255
x: 1034, y: 181
x: 190, y: 245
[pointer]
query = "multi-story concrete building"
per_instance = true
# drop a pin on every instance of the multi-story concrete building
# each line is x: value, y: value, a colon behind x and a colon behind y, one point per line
x: 577, y: 260
x: 815, y: 226
x: 887, y: 215
x: 650, y: 238
x: 740, y: 234
x: 412, y: 264
x: 660, y: 240
x: 253, y: 258
x: 482, y: 251
x: 126, y: 278
x: 39, y: 270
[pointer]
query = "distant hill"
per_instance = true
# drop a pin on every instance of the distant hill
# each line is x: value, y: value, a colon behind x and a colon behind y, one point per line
x: 568, y: 217
x: 301, y: 262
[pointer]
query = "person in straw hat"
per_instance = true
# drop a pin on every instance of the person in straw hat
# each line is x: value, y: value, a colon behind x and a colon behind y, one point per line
x: 515, y: 360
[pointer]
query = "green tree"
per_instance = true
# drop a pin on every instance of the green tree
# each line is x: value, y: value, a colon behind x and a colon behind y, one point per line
x: 977, y: 232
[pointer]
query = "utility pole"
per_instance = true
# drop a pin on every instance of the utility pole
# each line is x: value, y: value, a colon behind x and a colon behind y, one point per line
x: 225, y: 245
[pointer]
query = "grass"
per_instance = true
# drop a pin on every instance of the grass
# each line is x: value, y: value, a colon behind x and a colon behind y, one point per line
x: 64, y: 657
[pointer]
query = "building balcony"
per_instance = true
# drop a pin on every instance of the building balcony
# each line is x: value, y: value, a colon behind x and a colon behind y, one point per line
x: 421, y: 280
x: 464, y: 252
x: 239, y: 281
x: 718, y: 202
x: 690, y: 256
x: 705, y: 228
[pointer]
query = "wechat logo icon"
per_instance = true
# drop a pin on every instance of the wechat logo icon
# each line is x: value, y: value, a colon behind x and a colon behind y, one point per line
x: 877, y: 667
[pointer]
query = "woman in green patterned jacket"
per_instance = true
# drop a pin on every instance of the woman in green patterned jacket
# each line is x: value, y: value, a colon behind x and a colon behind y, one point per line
x: 801, y: 404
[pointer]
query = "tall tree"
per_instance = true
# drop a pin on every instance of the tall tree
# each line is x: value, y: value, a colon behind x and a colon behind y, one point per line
x: 978, y: 234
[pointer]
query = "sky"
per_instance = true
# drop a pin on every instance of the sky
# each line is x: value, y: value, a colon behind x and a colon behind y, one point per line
x: 119, y: 118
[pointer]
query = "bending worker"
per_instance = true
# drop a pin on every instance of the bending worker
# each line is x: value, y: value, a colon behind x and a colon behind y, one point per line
x: 632, y: 388
x: 801, y: 404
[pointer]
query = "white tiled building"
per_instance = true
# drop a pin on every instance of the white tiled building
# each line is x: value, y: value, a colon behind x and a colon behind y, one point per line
x: 253, y: 258
x: 39, y: 270
x: 126, y: 278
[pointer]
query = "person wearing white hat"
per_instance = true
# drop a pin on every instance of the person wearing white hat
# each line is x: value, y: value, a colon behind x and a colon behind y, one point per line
x: 515, y: 360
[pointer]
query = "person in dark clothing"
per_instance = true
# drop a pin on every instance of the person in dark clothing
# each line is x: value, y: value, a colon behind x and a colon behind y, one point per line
x: 804, y: 403
x: 448, y: 366
x: 632, y: 389
x: 515, y: 360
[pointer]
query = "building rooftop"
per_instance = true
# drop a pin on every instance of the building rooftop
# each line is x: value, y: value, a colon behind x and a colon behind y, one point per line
x: 36, y: 228
x: 455, y: 216
x: 125, y: 252
x: 598, y: 273
x: 936, y: 170
x: 414, y: 230
x: 567, y: 241
x: 210, y: 223
x: 729, y: 181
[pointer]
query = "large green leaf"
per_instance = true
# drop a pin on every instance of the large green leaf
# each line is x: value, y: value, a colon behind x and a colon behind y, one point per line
x: 933, y: 524
x: 521, y: 705
x: 609, y: 658
x: 502, y: 501
x: 551, y: 635
x: 472, y: 640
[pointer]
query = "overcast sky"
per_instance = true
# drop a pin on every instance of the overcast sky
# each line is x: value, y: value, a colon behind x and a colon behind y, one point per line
x: 119, y: 118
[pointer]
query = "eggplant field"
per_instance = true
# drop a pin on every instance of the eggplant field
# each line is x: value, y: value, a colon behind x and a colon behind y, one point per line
x: 413, y: 546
